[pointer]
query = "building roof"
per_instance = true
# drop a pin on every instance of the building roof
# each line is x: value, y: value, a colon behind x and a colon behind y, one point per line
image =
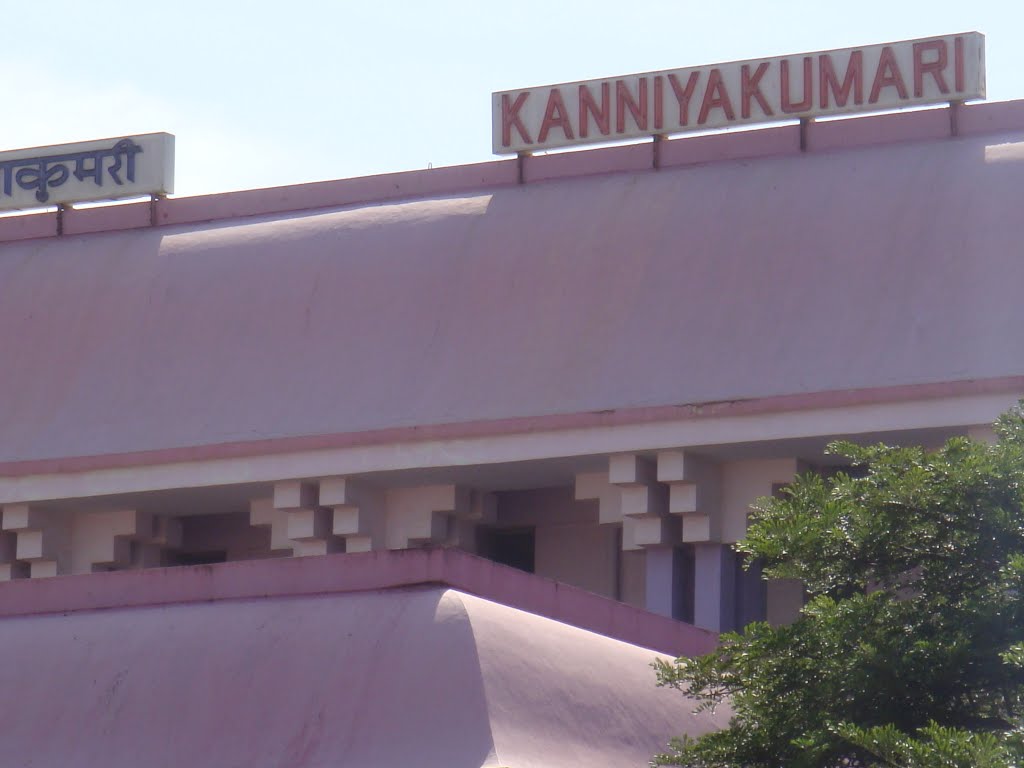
x: 743, y: 268
x: 359, y: 572
x: 305, y: 676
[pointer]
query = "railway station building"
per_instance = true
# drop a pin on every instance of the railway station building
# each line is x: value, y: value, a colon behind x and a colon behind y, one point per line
x: 483, y: 406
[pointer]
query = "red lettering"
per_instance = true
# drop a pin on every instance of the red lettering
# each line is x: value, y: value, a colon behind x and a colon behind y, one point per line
x: 555, y: 116
x: 788, y: 105
x: 887, y: 76
x: 659, y: 106
x: 602, y: 116
x: 934, y: 68
x: 683, y: 95
x: 510, y: 117
x: 750, y: 87
x: 715, y: 97
x: 853, y: 80
x: 624, y: 100
x: 958, y: 67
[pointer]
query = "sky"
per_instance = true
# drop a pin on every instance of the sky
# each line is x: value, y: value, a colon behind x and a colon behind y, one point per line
x: 264, y: 93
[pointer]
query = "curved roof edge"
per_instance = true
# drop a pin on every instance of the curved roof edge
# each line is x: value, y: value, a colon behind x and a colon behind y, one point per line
x: 357, y: 572
x: 429, y: 677
x: 873, y: 130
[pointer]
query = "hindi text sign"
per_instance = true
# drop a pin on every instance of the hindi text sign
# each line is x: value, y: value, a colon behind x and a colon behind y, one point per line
x: 931, y: 70
x: 107, y: 169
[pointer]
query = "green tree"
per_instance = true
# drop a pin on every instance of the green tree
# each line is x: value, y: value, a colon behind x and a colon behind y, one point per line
x: 910, y: 650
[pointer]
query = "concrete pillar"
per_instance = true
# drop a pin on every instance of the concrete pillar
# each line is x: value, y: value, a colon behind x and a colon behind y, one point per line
x: 43, y: 539
x: 695, y: 486
x: 358, y: 512
x: 10, y: 566
x: 785, y: 599
x: 631, y: 494
x: 982, y: 433
x: 664, y: 581
x: 595, y: 485
x: 311, y: 532
x: 426, y: 515
x: 301, y: 516
x: 659, y: 578
x: 743, y: 483
x: 746, y: 481
x: 103, y: 540
x: 714, y: 597
x: 643, y: 502
x: 120, y: 539
x: 751, y: 594
x: 262, y: 513
x: 632, y: 578
x: 308, y: 525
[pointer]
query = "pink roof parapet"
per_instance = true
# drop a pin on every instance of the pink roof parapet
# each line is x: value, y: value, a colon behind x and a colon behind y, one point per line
x: 742, y: 269
x: 356, y: 572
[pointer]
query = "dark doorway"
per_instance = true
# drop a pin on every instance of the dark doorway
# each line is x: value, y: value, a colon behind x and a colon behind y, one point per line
x: 508, y: 546
x: 751, y: 593
x: 684, y: 574
x: 200, y: 558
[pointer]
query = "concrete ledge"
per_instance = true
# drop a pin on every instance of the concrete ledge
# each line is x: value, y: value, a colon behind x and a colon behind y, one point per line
x: 334, y: 194
x: 28, y: 226
x: 83, y: 221
x: 734, y: 145
x: 991, y: 117
x: 563, y: 165
x: 877, y: 130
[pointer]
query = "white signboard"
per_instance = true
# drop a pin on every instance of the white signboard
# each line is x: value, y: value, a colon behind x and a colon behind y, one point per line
x: 931, y: 70
x: 108, y: 169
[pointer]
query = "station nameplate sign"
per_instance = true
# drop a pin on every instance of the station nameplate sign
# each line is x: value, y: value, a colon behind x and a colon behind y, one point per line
x: 107, y: 169
x: 931, y: 70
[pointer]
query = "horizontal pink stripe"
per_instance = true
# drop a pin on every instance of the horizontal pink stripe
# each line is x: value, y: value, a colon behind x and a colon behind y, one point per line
x: 519, y: 426
x: 357, y: 572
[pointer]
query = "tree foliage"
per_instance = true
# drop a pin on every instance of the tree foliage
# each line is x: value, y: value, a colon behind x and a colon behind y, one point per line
x: 910, y: 650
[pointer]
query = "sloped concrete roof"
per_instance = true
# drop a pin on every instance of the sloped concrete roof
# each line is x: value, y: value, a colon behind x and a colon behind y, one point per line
x: 357, y: 572
x: 424, y: 676
x: 884, y: 265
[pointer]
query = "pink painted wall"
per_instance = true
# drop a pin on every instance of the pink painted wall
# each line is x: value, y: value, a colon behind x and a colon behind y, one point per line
x: 875, y: 266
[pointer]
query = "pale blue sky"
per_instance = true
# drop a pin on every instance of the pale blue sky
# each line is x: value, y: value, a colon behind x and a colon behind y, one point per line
x: 262, y: 93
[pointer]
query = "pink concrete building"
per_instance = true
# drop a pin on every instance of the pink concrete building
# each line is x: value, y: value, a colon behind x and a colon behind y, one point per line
x: 585, y: 366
